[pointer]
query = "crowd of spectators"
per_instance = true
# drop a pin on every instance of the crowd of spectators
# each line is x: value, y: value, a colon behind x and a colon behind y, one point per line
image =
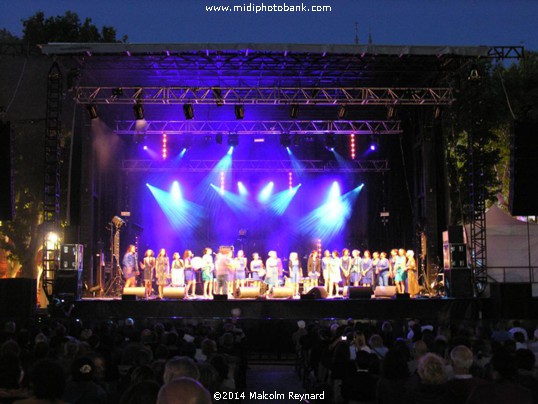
x: 78, y: 362
x: 412, y: 363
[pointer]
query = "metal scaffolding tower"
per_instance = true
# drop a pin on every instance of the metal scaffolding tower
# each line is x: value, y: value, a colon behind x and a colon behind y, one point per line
x: 51, y: 200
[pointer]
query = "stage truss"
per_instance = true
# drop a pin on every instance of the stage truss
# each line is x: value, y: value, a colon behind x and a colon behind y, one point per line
x: 284, y: 166
x: 344, y: 127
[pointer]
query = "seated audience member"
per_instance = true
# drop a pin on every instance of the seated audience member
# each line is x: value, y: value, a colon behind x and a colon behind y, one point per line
x: 47, y: 381
x: 180, y: 366
x: 183, y: 390
x: 463, y: 382
x: 526, y: 377
x: 144, y: 392
x: 360, y: 384
x: 392, y: 384
x: 504, y: 388
x: 81, y: 388
x: 433, y: 382
x: 11, y: 375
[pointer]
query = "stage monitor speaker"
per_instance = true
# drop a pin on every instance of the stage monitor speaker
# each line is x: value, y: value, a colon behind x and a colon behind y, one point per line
x: 317, y: 292
x: 280, y: 292
x: 523, y: 168
x: 6, y: 173
x: 220, y: 297
x: 170, y: 292
x: 68, y: 283
x: 18, y: 297
x: 359, y: 292
x: 459, y: 282
x: 512, y: 300
x: 247, y: 292
x: 138, y: 291
x: 385, y: 291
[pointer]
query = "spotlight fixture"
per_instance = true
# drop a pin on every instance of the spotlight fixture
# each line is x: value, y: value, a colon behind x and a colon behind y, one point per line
x: 297, y: 140
x: 374, y: 143
x: 218, y: 138
x: 117, y: 92
x: 342, y: 112
x: 138, y: 111
x: 474, y: 74
x: 437, y: 112
x: 294, y: 111
x: 391, y: 113
x: 239, y: 111
x: 330, y: 142
x: 217, y: 93
x: 309, y: 138
x: 233, y: 139
x: 92, y: 111
x: 285, y: 140
x: 188, y: 111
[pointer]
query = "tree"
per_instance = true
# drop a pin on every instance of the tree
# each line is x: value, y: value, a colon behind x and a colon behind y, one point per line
x: 67, y: 28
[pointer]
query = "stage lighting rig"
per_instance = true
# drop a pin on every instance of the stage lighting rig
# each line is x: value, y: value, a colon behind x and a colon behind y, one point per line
x: 118, y: 222
x: 239, y: 111
x: 294, y: 111
x: 92, y: 111
x: 138, y: 110
x: 188, y: 111
x: 330, y: 142
x: 233, y: 139
x: 285, y: 140
x: 342, y: 112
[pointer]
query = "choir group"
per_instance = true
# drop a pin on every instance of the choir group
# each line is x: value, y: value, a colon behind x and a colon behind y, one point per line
x: 223, y: 272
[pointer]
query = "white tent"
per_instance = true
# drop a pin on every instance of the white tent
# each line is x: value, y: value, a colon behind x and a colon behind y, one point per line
x: 512, y: 248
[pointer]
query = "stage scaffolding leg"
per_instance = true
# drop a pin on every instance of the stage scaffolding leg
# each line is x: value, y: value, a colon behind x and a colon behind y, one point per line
x: 51, y: 197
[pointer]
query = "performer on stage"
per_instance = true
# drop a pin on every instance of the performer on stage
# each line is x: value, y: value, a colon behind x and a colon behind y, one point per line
x: 383, y: 270
x: 375, y: 263
x: 366, y: 270
x: 223, y: 266
x: 313, y: 267
x: 130, y: 263
x: 208, y: 267
x: 148, y: 266
x: 334, y: 273
x: 412, y: 274
x: 271, y: 265
x: 392, y: 266
x: 240, y: 269
x: 190, y: 275
x: 162, y: 271
x: 295, y: 270
x: 400, y: 275
x: 325, y: 268
x: 257, y: 269
x: 178, y: 271
x: 355, y: 271
x: 346, y: 267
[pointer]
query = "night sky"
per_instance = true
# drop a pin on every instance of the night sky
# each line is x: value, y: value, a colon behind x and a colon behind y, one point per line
x: 400, y: 22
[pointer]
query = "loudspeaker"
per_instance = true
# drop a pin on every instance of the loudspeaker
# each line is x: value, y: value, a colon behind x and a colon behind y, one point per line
x: 279, y: 292
x: 170, y: 292
x: 72, y: 257
x: 317, y: 292
x: 247, y: 292
x: 359, y: 292
x: 18, y: 297
x: 523, y: 168
x: 137, y: 291
x: 454, y: 256
x: 512, y: 300
x: 68, y: 283
x: 459, y: 282
x: 385, y: 291
x: 6, y: 173
x: 220, y: 297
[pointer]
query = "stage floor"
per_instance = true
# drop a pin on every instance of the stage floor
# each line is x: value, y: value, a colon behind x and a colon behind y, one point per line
x: 440, y: 309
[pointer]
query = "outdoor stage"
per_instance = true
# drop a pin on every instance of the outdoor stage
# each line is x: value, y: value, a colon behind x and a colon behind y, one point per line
x: 435, y: 309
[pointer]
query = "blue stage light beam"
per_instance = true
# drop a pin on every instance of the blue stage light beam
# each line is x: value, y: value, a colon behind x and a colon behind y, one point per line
x: 326, y: 221
x: 236, y: 203
x: 342, y: 162
x: 243, y: 191
x: 175, y: 192
x: 265, y: 193
x: 280, y: 202
x: 152, y: 153
x: 295, y: 163
x: 204, y: 189
x: 182, y: 214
